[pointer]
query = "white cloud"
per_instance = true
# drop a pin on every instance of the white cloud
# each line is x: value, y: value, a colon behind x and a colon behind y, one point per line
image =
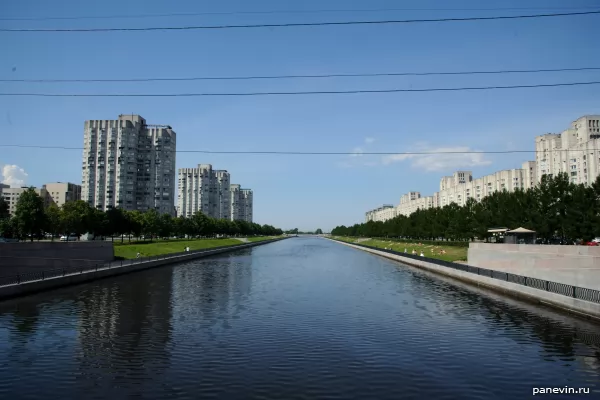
x: 457, y: 157
x: 369, y: 140
x: 14, y: 175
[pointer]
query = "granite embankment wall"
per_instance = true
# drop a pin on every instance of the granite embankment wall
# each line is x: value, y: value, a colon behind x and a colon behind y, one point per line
x: 561, y: 301
x: 571, y: 265
x: 113, y: 269
x: 17, y: 258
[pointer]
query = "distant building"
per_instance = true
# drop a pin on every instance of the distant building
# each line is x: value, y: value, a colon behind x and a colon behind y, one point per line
x: 129, y: 164
x: 383, y: 213
x: 246, y: 210
x: 11, y: 196
x: 204, y: 189
x: 241, y: 203
x: 60, y: 192
x: 574, y: 151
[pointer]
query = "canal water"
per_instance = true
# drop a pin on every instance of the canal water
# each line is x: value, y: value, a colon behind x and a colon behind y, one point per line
x: 304, y: 318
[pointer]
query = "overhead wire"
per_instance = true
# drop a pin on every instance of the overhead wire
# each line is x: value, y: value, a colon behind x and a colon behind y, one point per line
x: 279, y: 12
x: 298, y: 24
x: 314, y: 76
x: 353, y: 153
x: 324, y: 92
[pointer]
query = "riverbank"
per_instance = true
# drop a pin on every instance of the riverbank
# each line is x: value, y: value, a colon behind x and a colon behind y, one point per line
x: 557, y: 295
x: 53, y: 279
x: 128, y: 251
x: 438, y: 252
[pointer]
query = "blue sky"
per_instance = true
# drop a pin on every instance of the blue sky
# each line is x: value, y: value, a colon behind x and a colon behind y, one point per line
x: 307, y: 192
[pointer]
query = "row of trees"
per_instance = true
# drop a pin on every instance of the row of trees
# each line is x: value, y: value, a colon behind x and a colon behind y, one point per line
x: 295, y: 231
x: 32, y: 219
x: 556, y: 208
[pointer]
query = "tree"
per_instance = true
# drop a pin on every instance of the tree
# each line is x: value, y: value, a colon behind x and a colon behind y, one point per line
x: 151, y: 223
x: 77, y: 218
x: 30, y: 217
x: 4, y: 209
x: 116, y: 222
x: 54, y: 220
x: 319, y: 231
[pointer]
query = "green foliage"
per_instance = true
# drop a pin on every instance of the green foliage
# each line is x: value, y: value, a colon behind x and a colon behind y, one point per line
x: 554, y: 208
x: 30, y: 216
x: 319, y: 232
x: 4, y: 209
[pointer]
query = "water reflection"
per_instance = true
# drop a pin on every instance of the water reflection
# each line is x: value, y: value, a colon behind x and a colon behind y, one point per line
x: 302, y: 318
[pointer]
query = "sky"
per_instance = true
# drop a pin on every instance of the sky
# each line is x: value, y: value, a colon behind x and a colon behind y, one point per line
x: 300, y: 191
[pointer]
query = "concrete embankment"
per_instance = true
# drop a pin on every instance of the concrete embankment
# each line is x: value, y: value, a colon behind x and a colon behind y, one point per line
x: 113, y: 269
x: 571, y: 304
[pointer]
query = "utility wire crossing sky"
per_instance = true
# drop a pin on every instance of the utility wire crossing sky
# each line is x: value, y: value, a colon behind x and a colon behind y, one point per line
x: 319, y: 76
x: 302, y: 24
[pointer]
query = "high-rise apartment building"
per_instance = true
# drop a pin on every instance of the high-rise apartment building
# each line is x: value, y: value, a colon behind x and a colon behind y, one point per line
x: 129, y: 164
x: 574, y: 151
x: 204, y: 189
x: 246, y: 210
x: 60, y: 192
x: 241, y: 203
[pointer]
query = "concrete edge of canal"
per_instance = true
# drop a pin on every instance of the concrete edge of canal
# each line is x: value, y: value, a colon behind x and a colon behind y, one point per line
x: 26, y: 288
x: 576, y: 306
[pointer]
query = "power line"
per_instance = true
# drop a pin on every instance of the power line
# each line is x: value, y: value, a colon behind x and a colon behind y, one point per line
x: 302, y: 24
x: 275, y: 12
x: 349, y: 75
x: 248, y: 94
x: 314, y: 152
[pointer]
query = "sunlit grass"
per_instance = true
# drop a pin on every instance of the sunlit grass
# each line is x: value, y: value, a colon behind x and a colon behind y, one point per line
x: 439, y: 252
x: 155, y: 248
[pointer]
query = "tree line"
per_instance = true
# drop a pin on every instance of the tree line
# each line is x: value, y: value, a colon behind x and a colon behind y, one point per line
x: 555, y: 209
x: 32, y: 219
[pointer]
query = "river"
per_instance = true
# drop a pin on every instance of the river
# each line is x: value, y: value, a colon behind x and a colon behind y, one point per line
x: 304, y: 318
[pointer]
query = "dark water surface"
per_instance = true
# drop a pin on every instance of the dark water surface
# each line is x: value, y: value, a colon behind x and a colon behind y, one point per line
x: 304, y: 318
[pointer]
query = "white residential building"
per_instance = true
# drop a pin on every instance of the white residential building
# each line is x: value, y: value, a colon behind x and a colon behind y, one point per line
x: 574, y: 151
x: 383, y: 213
x: 60, y: 192
x: 241, y: 203
x: 129, y: 164
x: 461, y: 186
x: 11, y: 196
x: 204, y: 189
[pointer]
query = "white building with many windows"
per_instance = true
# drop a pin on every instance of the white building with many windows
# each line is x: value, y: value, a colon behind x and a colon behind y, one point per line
x: 575, y: 151
x: 129, y: 164
x: 241, y: 203
x: 383, y: 213
x: 204, y: 189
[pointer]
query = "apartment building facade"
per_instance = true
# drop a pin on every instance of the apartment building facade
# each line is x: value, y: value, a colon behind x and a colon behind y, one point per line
x: 574, y: 151
x: 382, y: 214
x: 204, y: 189
x: 62, y: 192
x: 11, y: 196
x: 241, y: 203
x: 129, y: 164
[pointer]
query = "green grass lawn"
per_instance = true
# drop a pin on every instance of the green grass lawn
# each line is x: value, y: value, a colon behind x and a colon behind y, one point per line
x: 260, y: 238
x: 432, y: 251
x: 158, y: 247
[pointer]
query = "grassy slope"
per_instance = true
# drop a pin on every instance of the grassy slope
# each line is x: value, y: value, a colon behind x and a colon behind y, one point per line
x: 452, y: 253
x: 260, y: 238
x: 158, y: 247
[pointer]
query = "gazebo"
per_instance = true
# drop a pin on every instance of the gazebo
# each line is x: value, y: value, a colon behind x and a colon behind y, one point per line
x: 497, y: 234
x: 520, y: 236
